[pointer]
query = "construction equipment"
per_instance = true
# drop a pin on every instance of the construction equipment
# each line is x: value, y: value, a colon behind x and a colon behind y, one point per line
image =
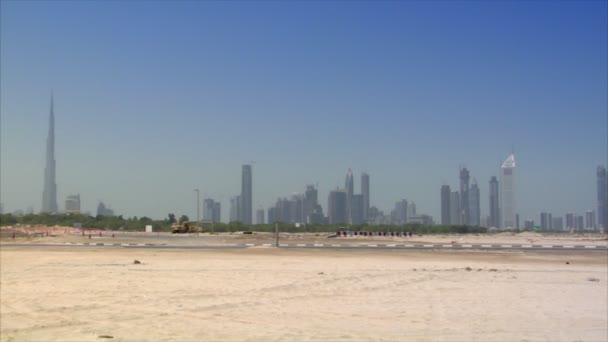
x: 184, y: 228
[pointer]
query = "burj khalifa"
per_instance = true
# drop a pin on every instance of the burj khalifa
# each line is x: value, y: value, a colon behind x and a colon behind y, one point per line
x: 49, y: 194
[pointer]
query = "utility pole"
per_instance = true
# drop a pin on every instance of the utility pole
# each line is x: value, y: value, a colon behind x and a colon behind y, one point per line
x: 276, y: 233
x: 198, y: 206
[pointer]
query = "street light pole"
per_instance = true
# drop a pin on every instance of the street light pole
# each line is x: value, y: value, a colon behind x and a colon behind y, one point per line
x: 198, y: 205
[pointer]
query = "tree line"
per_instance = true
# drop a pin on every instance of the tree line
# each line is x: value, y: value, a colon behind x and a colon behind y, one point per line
x: 139, y: 223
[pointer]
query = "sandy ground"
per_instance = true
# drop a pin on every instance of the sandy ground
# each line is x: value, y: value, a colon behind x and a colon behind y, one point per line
x: 268, y: 294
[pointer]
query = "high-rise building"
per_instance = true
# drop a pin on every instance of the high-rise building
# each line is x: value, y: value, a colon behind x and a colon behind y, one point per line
x: 507, y: 193
x: 570, y: 221
x: 474, y: 204
x: 246, y: 195
x: 235, y: 208
x: 102, y: 210
x: 580, y: 222
x: 590, y: 219
x: 349, y: 188
x: 72, y: 204
x: 217, y: 212
x: 545, y: 221
x: 272, y: 218
x: 558, y: 223
x: 49, y: 194
x: 365, y: 193
x: 208, y: 204
x: 411, y: 210
x: 336, y: 206
x: 357, y: 209
x: 259, y: 216
x: 400, y: 212
x: 602, y: 197
x: 517, y: 221
x: 529, y: 224
x: 455, y: 208
x: 310, y: 202
x: 212, y: 210
x: 464, y: 196
x: 445, y: 205
x: 494, y: 212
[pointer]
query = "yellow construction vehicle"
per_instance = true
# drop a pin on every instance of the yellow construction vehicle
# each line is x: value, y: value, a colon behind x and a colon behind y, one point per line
x: 184, y: 228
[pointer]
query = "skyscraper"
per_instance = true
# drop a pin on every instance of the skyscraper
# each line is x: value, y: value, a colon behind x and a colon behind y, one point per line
x: 357, y: 209
x: 336, y: 208
x: 545, y: 221
x: 494, y: 212
x: 259, y: 216
x: 474, y: 205
x: 310, y: 202
x: 365, y: 193
x: 590, y: 219
x: 455, y: 208
x: 72, y: 204
x: 49, y: 194
x: 602, y: 197
x: 349, y: 187
x: 208, y: 204
x: 464, y: 196
x: 246, y: 195
x: 445, y: 205
x: 507, y: 193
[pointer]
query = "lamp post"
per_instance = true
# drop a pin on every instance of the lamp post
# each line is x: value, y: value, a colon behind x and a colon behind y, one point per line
x: 198, y: 205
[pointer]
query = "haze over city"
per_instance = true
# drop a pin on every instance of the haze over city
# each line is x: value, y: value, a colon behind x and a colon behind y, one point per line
x: 155, y: 99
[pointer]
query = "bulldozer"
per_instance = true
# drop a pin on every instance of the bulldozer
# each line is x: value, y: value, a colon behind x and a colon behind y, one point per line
x: 184, y: 228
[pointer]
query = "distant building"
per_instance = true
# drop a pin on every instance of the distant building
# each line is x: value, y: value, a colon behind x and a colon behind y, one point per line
x: 455, y: 208
x: 602, y: 197
x: 545, y: 221
x: 272, y: 218
x: 474, y: 204
x: 337, y: 207
x: 246, y: 198
x: 590, y: 219
x: 529, y: 225
x: 357, y: 209
x: 558, y: 223
x: 411, y: 210
x: 445, y: 205
x: 424, y: 220
x: 103, y: 210
x: 580, y: 222
x: 569, y: 221
x: 464, y: 196
x: 259, y: 216
x: 235, y: 208
x: 349, y: 187
x: 49, y: 194
x: 310, y: 202
x: 72, y: 204
x: 517, y: 221
x: 494, y: 220
x: 211, y: 210
x: 507, y: 193
x: 365, y: 193
x: 399, y: 213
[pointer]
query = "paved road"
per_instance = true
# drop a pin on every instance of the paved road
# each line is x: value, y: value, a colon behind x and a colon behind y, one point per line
x: 329, y: 246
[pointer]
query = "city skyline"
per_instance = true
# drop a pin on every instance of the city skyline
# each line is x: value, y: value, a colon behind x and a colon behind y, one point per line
x: 379, y: 88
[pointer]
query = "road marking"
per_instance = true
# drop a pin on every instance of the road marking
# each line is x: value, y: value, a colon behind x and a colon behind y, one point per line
x: 447, y: 246
x: 266, y: 245
x: 568, y: 246
x: 301, y: 245
x: 526, y: 246
x: 547, y: 246
x: 506, y: 246
x: 283, y: 245
x: 408, y: 245
x: 372, y: 245
x: 319, y: 245
x: 250, y: 244
x: 590, y: 246
x: 108, y: 244
x: 336, y: 245
x: 467, y: 246
x: 486, y: 246
x: 80, y: 244
x: 428, y: 246
x: 390, y: 245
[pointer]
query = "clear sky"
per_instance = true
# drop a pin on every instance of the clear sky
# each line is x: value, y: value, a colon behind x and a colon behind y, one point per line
x: 155, y: 99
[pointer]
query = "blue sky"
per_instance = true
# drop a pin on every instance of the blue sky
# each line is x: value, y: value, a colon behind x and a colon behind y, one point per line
x: 154, y: 99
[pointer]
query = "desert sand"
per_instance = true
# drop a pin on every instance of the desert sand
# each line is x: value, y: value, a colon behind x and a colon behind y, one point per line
x: 269, y: 294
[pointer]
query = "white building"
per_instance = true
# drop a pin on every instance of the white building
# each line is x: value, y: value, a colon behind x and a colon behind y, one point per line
x: 507, y: 193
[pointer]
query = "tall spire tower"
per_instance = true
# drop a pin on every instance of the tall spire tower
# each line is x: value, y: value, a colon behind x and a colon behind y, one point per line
x: 49, y: 194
